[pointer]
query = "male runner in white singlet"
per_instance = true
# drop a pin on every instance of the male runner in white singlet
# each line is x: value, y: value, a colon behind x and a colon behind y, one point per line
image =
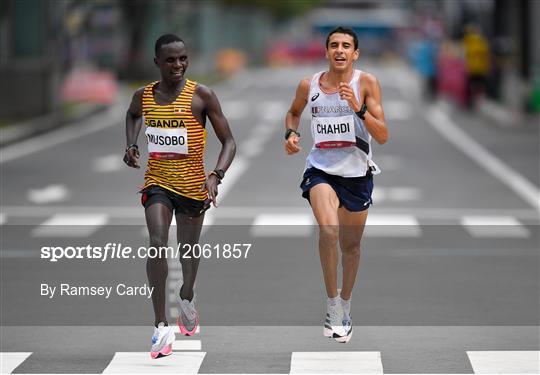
x: 346, y: 114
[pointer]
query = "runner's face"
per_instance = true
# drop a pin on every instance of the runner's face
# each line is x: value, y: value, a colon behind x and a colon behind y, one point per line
x: 340, y: 51
x: 172, y: 61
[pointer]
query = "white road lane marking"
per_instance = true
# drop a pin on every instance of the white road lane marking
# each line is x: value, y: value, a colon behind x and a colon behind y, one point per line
x: 496, y: 167
x: 235, y: 110
x: 505, y: 362
x: 70, y: 225
x: 140, y: 362
x: 336, y: 363
x: 187, y: 345
x: 397, y: 110
x: 9, y: 361
x: 237, y: 212
x: 378, y: 225
x: 396, y: 194
x: 494, y: 227
x: 282, y: 225
x: 108, y: 164
x: 48, y: 194
x: 388, y: 162
x: 273, y: 111
x: 62, y: 135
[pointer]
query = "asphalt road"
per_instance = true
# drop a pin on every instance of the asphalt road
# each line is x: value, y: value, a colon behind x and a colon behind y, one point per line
x: 449, y: 277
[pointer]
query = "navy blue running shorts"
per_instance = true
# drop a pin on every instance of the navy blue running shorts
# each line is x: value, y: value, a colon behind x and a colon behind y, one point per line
x: 175, y: 202
x: 354, y: 193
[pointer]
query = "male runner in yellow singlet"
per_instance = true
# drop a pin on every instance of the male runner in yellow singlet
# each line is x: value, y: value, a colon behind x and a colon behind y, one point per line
x: 175, y: 110
x: 346, y: 113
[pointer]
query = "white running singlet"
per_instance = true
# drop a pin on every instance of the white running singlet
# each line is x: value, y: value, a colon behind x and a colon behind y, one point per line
x: 341, y: 142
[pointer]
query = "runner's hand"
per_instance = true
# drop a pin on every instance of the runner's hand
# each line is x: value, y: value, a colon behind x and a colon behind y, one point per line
x: 346, y: 93
x: 291, y: 144
x: 131, y: 157
x: 211, y: 186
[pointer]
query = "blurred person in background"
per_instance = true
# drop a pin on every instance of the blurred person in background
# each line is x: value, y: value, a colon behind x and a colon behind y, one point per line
x: 423, y: 54
x: 175, y: 110
x: 477, y: 62
x: 346, y: 109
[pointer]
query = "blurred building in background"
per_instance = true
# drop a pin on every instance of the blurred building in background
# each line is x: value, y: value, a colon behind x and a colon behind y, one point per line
x: 54, y: 52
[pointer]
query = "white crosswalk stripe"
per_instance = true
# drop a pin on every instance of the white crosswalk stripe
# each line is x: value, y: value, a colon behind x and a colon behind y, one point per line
x: 298, y: 223
x: 336, y: 363
x: 188, y: 358
x: 141, y: 363
x: 282, y: 225
x: 70, y: 225
x: 505, y: 362
x: 10, y: 361
x: 392, y: 226
x: 494, y: 227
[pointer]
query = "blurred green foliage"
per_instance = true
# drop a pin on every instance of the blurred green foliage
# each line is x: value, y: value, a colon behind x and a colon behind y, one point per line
x: 279, y: 8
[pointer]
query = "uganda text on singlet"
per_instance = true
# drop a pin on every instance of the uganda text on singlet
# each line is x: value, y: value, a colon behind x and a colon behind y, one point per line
x: 341, y: 142
x: 176, y: 142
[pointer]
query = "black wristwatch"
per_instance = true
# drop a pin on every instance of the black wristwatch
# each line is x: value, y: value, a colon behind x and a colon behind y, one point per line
x: 289, y: 131
x: 362, y: 112
x: 220, y: 173
x: 133, y: 145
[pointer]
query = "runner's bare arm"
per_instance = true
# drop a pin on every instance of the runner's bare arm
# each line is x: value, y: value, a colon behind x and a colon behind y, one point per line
x: 223, y: 132
x: 292, y: 119
x: 133, y: 127
x: 374, y: 116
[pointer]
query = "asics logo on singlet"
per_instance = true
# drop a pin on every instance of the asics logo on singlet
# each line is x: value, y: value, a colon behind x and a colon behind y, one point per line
x: 314, y: 97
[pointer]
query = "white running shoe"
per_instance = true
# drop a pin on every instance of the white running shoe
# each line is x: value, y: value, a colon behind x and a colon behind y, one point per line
x: 333, y: 324
x: 162, y: 340
x: 348, y: 331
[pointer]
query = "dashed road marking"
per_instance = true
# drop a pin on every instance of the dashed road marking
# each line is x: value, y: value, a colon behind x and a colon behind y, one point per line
x: 282, y: 225
x: 108, y: 164
x: 48, y: 194
x: 187, y: 345
x: 235, y: 110
x: 70, y: 225
x: 392, y: 226
x: 494, y: 227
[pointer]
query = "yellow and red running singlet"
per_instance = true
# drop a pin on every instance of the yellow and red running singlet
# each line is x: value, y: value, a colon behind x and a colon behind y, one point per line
x: 176, y: 142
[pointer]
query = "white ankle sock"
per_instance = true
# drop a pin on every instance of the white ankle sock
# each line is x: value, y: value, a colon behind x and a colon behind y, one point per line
x: 346, y: 304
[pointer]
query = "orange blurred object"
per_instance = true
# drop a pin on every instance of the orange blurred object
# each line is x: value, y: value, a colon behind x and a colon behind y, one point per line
x: 229, y: 61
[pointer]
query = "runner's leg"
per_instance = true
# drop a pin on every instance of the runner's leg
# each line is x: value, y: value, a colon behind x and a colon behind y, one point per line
x: 188, y: 232
x: 351, y: 226
x: 158, y: 221
x: 325, y: 203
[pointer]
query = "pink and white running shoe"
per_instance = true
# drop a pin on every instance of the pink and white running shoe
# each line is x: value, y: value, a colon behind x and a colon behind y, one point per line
x: 162, y: 340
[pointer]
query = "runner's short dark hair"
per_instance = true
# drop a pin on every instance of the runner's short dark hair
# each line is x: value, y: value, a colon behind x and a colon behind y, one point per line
x: 166, y: 39
x: 343, y: 30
